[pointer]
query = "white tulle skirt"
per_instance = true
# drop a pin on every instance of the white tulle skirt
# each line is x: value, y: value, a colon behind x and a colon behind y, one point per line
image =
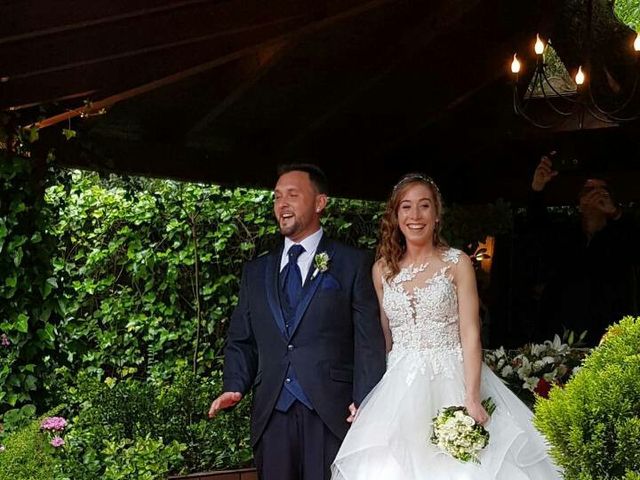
x: 390, y: 438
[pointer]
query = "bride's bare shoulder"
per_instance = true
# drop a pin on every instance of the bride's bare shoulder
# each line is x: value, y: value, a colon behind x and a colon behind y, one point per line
x: 380, y: 270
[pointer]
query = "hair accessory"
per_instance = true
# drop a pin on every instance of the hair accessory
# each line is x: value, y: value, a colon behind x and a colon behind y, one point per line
x: 413, y: 177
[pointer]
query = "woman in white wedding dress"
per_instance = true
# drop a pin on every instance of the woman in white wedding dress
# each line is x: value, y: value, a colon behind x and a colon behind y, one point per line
x: 429, y: 312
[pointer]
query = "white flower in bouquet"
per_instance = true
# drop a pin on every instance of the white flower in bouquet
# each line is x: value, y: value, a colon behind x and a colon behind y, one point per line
x: 456, y: 433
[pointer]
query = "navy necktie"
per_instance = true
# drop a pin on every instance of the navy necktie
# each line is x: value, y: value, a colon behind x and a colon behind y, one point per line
x: 292, y: 287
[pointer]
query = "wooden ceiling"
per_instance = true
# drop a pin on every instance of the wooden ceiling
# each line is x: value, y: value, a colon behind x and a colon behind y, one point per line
x: 224, y: 90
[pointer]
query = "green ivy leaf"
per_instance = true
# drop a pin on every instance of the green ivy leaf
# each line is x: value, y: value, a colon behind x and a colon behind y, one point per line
x: 11, y: 281
x: 30, y: 383
x: 47, y: 334
x: 68, y: 133
x: 22, y: 323
x: 33, y: 134
x: 17, y: 256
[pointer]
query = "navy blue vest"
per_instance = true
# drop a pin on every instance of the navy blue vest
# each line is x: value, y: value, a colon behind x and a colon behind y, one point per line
x: 291, y: 389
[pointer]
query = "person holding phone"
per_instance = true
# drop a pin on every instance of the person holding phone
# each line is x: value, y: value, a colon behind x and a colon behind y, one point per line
x: 589, y: 274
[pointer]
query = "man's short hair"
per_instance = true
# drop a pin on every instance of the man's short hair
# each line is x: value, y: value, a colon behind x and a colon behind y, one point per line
x: 316, y: 175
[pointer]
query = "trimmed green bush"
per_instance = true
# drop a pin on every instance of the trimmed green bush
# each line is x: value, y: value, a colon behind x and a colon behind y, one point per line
x: 593, y: 423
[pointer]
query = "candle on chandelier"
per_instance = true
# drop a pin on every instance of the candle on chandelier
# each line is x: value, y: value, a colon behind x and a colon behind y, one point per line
x: 539, y: 45
x: 515, y: 64
x: 580, y: 77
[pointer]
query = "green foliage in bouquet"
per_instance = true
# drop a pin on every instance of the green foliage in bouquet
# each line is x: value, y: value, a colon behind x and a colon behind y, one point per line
x: 593, y: 423
x: 456, y: 433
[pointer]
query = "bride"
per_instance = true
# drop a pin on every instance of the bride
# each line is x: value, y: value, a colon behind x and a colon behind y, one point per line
x: 429, y: 313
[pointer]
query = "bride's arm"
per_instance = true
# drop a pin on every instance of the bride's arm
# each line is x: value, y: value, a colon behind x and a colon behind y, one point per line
x: 468, y: 310
x: 376, y: 272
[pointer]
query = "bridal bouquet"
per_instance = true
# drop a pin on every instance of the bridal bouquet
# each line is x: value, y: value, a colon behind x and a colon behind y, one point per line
x: 458, y: 434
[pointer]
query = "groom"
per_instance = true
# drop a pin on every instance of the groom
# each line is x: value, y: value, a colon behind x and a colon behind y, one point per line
x: 305, y: 337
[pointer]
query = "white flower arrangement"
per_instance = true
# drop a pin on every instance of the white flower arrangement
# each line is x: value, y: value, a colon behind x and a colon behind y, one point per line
x: 456, y: 433
x: 534, y: 368
x: 321, y: 263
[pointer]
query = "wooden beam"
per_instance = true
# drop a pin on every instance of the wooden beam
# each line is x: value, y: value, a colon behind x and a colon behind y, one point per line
x: 150, y: 49
x: 99, y: 105
x: 265, y: 59
x: 85, y: 23
x: 414, y: 41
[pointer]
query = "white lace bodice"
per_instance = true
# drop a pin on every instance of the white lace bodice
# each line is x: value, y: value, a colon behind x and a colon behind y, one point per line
x: 421, y: 303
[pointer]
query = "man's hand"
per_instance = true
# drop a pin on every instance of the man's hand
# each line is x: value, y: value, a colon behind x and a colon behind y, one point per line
x: 598, y: 198
x: 544, y: 172
x: 226, y: 400
x: 353, y: 411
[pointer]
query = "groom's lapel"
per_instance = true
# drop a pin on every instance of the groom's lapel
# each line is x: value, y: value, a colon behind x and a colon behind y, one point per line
x: 311, y: 284
x: 272, y: 285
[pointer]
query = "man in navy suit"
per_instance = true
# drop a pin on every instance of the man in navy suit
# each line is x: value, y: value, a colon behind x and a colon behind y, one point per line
x: 305, y: 336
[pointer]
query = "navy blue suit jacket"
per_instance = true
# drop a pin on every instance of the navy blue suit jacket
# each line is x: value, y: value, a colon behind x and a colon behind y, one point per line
x: 336, y: 344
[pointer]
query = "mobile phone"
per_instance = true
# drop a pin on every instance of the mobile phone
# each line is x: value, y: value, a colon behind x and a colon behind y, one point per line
x: 564, y: 161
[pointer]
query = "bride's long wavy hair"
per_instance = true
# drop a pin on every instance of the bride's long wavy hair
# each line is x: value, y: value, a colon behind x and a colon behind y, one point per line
x: 392, y: 242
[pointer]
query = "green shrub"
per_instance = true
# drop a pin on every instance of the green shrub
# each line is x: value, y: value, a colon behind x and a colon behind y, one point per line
x: 15, y: 419
x: 28, y: 454
x: 593, y: 423
x: 140, y: 459
x: 28, y: 307
x: 130, y: 410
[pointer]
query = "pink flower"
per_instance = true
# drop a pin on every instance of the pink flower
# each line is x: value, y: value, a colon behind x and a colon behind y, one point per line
x: 54, y: 424
x: 4, y: 340
x: 57, y: 441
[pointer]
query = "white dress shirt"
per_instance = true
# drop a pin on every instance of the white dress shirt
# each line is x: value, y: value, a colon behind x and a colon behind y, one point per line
x: 305, y: 259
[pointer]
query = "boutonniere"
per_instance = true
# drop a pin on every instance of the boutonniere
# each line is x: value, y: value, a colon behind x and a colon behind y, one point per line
x: 321, y: 262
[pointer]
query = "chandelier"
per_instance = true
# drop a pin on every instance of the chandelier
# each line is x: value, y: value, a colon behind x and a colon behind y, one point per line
x: 575, y: 103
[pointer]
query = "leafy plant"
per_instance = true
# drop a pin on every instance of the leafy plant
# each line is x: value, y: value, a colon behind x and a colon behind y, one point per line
x: 593, y: 423
x: 28, y: 310
x: 144, y: 459
x: 114, y: 410
x: 28, y: 455
x: 629, y: 12
x: 15, y: 419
